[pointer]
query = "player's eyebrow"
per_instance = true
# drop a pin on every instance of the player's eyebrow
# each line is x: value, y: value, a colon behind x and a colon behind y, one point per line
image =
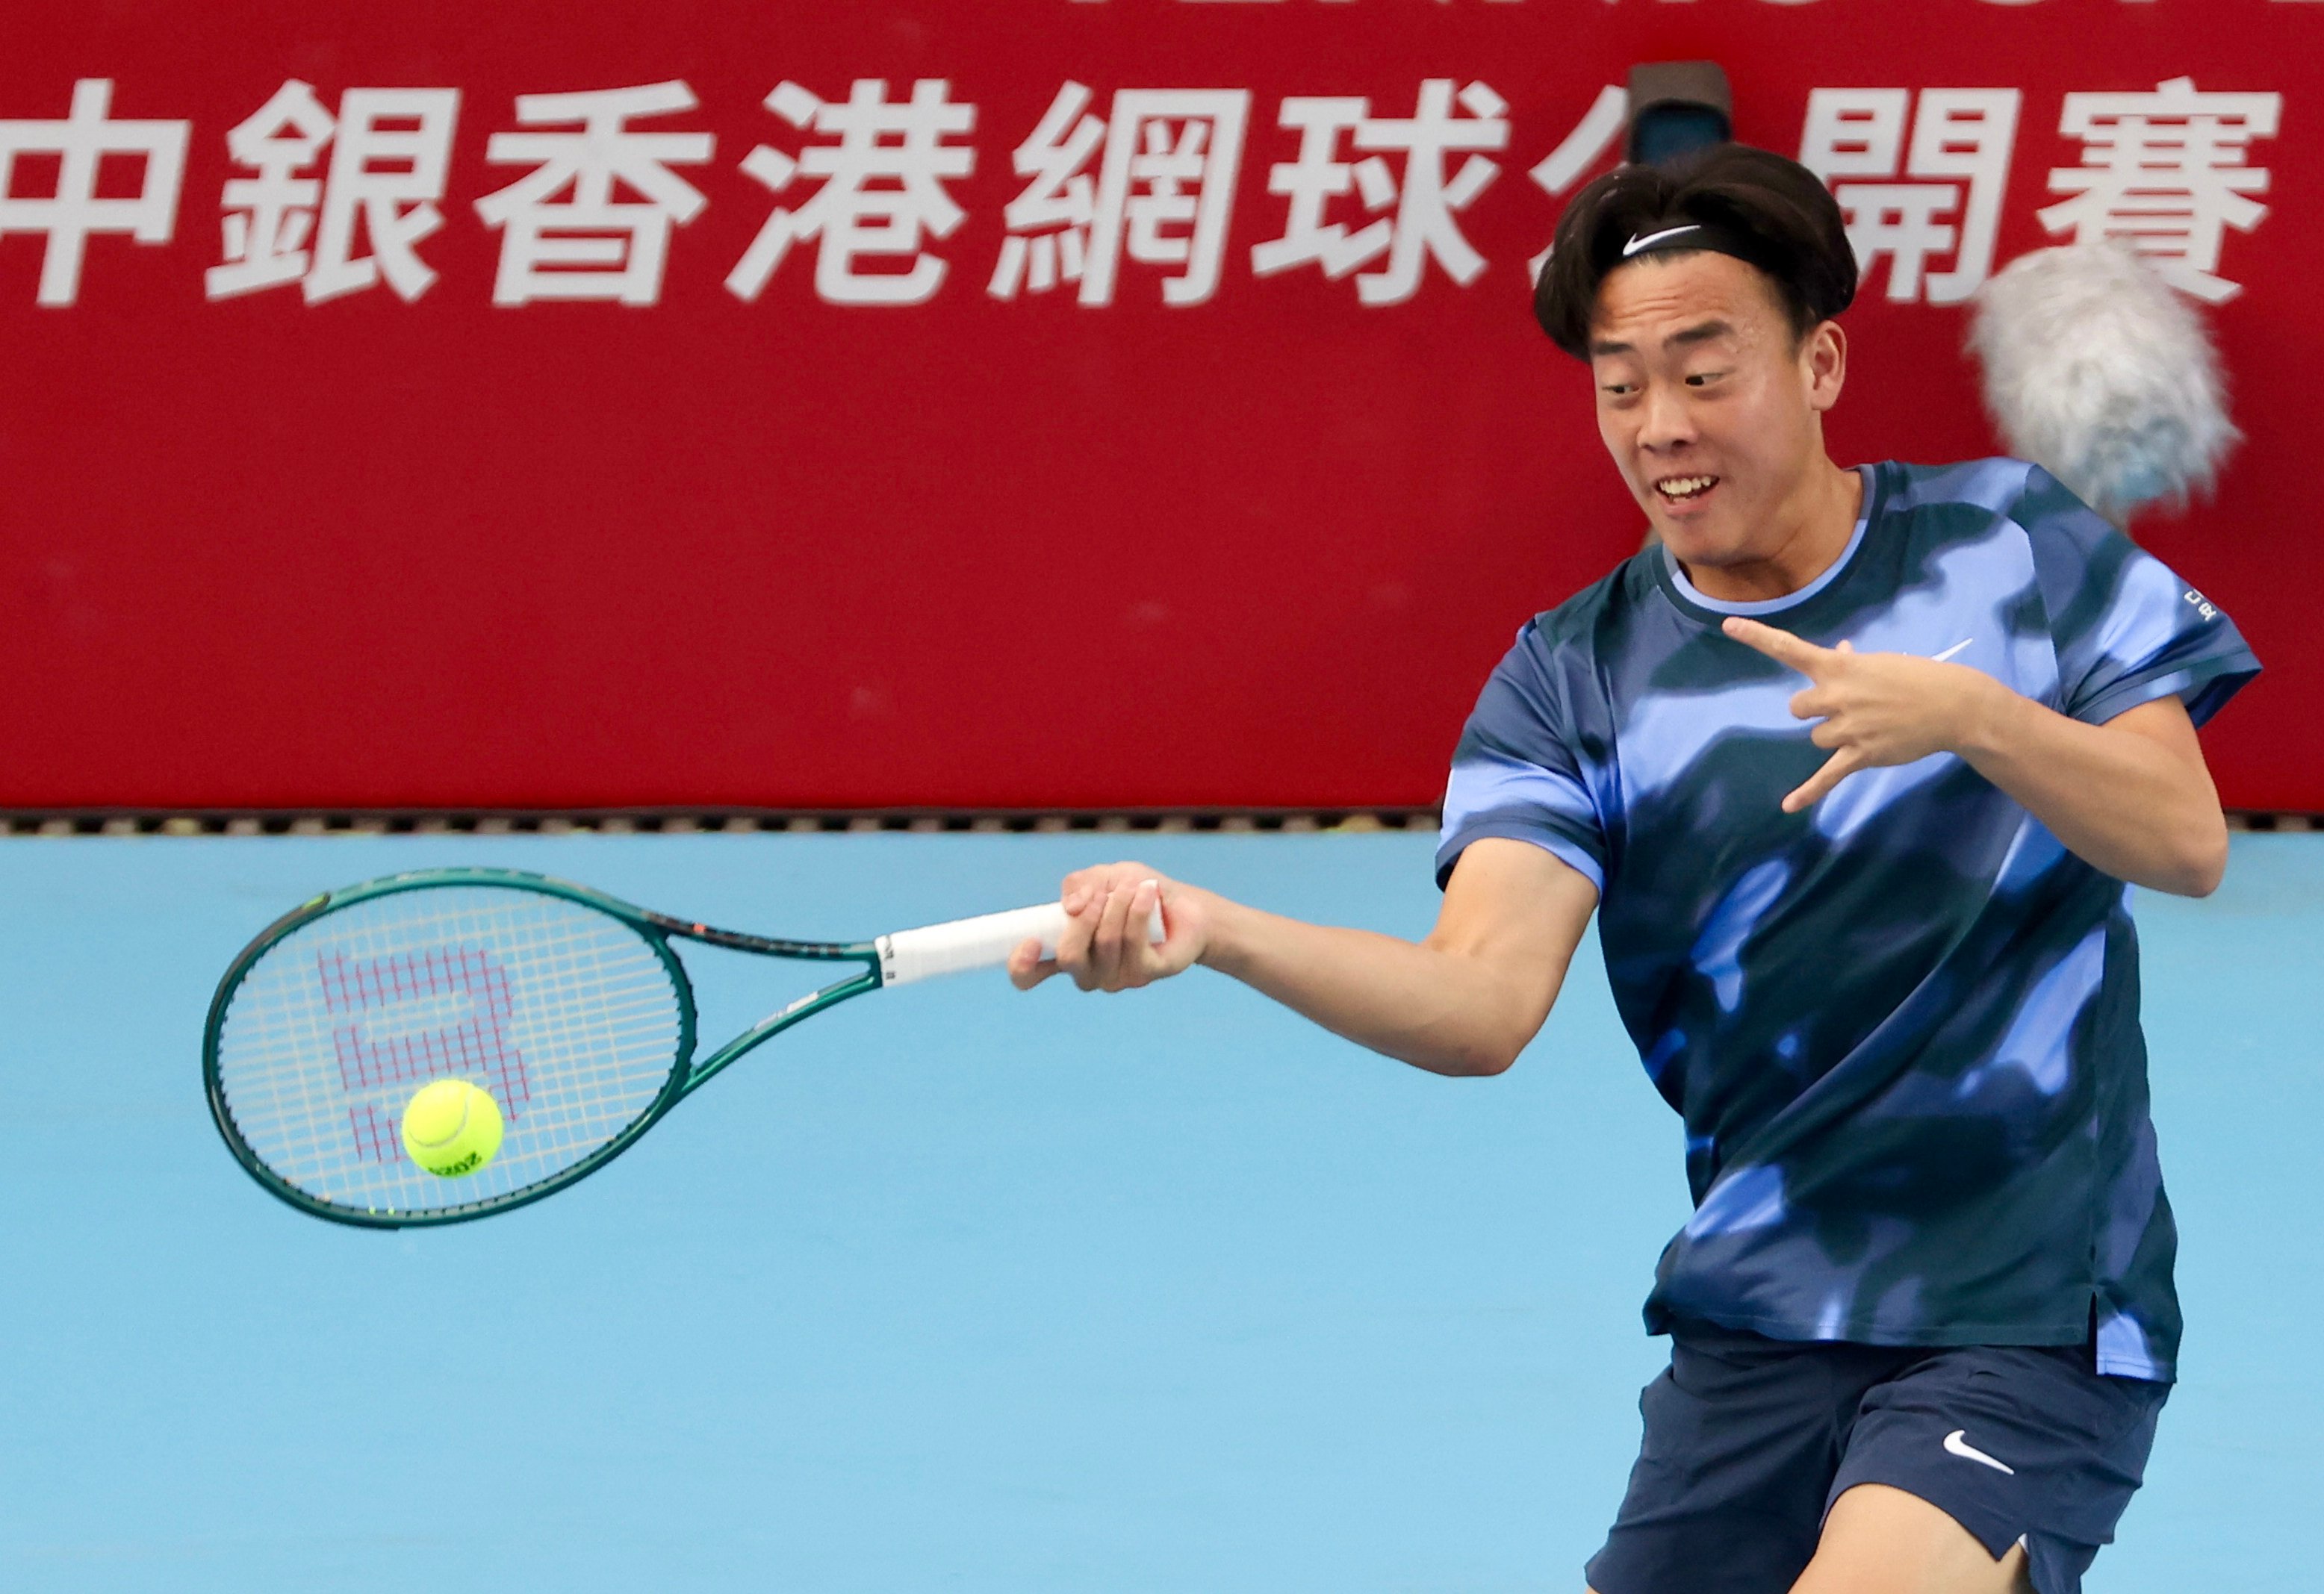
x: 1708, y: 332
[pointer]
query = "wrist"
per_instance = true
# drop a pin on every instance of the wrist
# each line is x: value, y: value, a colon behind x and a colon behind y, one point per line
x: 1224, y: 925
x: 1982, y: 719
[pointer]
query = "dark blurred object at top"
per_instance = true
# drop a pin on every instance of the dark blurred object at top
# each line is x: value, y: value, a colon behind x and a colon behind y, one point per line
x: 1677, y: 107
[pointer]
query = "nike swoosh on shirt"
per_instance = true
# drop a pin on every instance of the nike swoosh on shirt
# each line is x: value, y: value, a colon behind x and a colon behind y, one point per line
x: 1635, y: 244
x: 1949, y: 652
x: 1957, y: 1444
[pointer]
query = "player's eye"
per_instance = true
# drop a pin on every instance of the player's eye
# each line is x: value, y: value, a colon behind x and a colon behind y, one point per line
x: 1704, y: 378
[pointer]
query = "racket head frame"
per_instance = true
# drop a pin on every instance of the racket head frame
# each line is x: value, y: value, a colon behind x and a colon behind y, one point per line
x: 655, y: 929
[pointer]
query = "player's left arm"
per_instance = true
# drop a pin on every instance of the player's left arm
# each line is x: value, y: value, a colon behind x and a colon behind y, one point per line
x: 2132, y: 796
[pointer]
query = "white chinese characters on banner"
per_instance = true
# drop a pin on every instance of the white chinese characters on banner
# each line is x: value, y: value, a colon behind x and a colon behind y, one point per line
x: 1167, y: 162
x: 391, y: 151
x: 564, y: 235
x: 270, y: 218
x: 339, y: 199
x: 2168, y: 170
x: 1424, y: 201
x: 1937, y: 199
x: 73, y: 212
x: 1578, y: 153
x: 901, y: 149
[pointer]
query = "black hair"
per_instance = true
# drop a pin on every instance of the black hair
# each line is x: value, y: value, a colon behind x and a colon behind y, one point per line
x: 1773, y: 213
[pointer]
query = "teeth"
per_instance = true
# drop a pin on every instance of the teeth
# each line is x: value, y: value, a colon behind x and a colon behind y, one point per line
x: 1686, y: 487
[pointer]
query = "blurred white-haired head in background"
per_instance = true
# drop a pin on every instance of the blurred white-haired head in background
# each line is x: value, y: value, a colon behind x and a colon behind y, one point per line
x: 2102, y: 374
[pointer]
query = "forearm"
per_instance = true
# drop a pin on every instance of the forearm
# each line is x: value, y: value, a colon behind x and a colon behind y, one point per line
x: 2122, y: 801
x: 1436, y: 1008
x: 1464, y: 1001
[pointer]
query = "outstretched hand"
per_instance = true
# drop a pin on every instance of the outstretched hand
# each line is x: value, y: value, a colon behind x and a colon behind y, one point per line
x: 1105, y: 944
x: 1875, y: 710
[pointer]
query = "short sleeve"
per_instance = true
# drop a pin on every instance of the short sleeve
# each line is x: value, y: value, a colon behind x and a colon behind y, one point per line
x: 1517, y: 773
x: 2126, y: 629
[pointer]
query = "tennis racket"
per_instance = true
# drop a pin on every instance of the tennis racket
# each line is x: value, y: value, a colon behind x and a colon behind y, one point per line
x: 570, y: 1007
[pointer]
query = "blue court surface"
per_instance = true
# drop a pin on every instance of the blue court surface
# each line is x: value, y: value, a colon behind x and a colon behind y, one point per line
x: 955, y: 1288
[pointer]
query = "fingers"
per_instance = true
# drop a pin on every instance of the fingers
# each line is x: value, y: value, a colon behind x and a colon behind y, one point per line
x: 1814, y: 703
x: 1105, y: 944
x: 1836, y: 768
x: 1073, y: 951
x: 1145, y: 913
x: 1026, y: 966
x: 1125, y: 953
x: 1781, y: 646
x: 1819, y: 701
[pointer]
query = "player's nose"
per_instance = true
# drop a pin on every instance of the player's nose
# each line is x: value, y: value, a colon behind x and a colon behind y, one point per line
x: 1664, y: 420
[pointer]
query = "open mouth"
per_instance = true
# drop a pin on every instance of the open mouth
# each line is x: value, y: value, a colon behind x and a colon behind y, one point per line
x: 1674, y: 491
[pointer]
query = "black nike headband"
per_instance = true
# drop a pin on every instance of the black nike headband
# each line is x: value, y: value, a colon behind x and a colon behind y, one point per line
x: 1676, y: 234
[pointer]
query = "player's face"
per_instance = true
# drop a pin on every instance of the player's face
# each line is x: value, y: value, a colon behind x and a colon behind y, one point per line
x: 1712, y: 409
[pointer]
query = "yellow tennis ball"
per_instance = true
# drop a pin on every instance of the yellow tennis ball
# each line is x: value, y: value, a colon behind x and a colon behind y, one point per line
x: 451, y: 1128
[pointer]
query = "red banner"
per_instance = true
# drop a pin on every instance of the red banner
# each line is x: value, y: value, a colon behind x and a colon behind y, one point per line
x: 960, y: 402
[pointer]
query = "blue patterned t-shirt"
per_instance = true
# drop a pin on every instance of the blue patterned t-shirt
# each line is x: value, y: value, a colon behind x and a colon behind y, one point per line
x: 1902, y: 1027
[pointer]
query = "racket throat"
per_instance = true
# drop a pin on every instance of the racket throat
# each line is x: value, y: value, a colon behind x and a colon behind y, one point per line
x: 805, y: 1008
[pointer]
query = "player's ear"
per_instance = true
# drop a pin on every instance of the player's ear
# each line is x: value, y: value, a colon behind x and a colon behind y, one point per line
x: 1823, y: 361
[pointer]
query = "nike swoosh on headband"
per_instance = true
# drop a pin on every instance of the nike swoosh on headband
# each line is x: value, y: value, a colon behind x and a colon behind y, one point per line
x: 1651, y: 239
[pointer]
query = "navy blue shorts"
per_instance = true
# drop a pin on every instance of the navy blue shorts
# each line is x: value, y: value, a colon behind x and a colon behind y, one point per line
x: 1749, y: 1441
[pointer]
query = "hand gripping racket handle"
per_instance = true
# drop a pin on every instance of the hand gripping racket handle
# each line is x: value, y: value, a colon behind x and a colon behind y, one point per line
x: 985, y: 942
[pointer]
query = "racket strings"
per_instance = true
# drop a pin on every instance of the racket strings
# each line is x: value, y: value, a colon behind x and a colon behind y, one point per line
x: 564, y: 1014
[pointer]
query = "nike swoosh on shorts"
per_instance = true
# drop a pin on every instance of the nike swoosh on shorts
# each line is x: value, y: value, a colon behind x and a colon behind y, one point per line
x: 1957, y: 1444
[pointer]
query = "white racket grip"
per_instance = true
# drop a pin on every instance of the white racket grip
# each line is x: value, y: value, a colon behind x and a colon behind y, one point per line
x: 985, y: 942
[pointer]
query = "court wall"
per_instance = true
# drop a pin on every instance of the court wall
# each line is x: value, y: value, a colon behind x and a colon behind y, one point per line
x: 1038, y: 403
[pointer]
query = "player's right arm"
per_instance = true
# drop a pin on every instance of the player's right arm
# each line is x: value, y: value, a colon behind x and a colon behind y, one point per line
x: 1463, y: 1000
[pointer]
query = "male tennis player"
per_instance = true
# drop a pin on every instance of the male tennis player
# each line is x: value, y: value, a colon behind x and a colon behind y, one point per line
x: 1854, y: 767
